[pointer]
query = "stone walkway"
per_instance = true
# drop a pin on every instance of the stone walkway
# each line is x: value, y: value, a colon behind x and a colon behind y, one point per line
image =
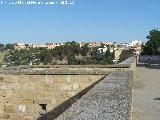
x: 110, y: 99
x: 146, y: 88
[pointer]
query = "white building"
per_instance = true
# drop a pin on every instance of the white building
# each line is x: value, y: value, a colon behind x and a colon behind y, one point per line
x: 134, y: 43
x: 19, y: 46
x: 105, y: 49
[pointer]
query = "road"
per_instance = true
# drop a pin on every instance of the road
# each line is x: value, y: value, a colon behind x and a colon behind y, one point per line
x: 146, y: 88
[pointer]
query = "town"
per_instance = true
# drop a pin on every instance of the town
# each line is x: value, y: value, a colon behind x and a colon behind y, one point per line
x: 80, y: 53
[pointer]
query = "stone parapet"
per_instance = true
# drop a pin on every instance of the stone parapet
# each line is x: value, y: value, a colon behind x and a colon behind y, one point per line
x: 69, y: 70
x: 109, y: 99
x: 29, y: 93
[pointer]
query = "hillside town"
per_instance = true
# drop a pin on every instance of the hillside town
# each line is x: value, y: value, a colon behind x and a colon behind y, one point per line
x: 135, y: 44
x: 81, y: 53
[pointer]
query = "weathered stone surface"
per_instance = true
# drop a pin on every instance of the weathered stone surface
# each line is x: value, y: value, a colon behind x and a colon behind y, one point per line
x: 10, y: 108
x: 22, y: 94
x: 47, y: 100
x: 7, y: 93
x: 12, y: 116
x: 108, y: 100
x: 33, y: 109
x: 37, y: 78
x: 1, y: 108
x: 28, y: 118
x: 75, y: 86
x: 1, y: 78
x: 12, y: 78
x: 26, y: 101
x: 24, y: 78
x: 11, y: 86
x: 22, y: 90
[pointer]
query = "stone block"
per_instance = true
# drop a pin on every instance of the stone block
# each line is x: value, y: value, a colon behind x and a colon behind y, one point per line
x: 19, y: 101
x: 51, y: 107
x: 48, y: 79
x: 13, y: 116
x: 7, y: 93
x: 26, y: 101
x: 43, y: 86
x: 10, y: 108
x: 33, y: 86
x: 75, y: 86
x: 43, y: 100
x: 12, y: 78
x: 28, y: 118
x: 1, y: 108
x: 21, y: 94
x: 37, y: 78
x: 11, y: 86
x: 28, y: 94
x: 82, y: 86
x: 69, y: 79
x: 26, y: 86
x: 47, y: 94
x: 59, y: 79
x: 72, y: 93
x: 64, y: 87
x: 6, y: 116
x: 62, y: 96
x: 1, y: 79
x: 33, y: 109
x: 24, y: 78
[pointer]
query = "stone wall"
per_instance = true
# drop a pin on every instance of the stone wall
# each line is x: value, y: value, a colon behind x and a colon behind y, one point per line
x: 27, y: 97
x: 33, y: 93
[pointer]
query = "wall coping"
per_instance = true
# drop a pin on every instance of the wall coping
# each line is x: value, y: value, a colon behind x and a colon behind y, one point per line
x: 110, y: 98
x: 67, y: 69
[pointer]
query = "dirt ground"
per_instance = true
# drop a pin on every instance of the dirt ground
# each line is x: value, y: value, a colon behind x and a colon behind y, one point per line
x: 146, y: 94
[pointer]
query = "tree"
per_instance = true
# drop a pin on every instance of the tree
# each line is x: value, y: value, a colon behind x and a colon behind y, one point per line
x: 46, y: 56
x: 9, y: 47
x: 152, y: 46
x: 2, y: 46
x: 72, y: 60
x: 84, y: 49
x: 108, y: 58
x: 27, y: 45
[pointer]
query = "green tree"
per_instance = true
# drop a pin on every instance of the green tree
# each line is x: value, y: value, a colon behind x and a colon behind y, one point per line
x: 2, y: 46
x: 152, y: 46
x: 84, y: 49
x: 108, y: 58
x: 46, y: 56
x: 9, y: 47
x: 72, y: 60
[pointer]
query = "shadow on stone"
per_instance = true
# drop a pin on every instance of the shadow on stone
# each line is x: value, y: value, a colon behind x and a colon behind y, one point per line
x: 141, y: 65
x: 53, y: 114
x: 158, y: 98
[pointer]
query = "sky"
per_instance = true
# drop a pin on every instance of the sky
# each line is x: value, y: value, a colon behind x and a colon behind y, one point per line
x: 85, y: 20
